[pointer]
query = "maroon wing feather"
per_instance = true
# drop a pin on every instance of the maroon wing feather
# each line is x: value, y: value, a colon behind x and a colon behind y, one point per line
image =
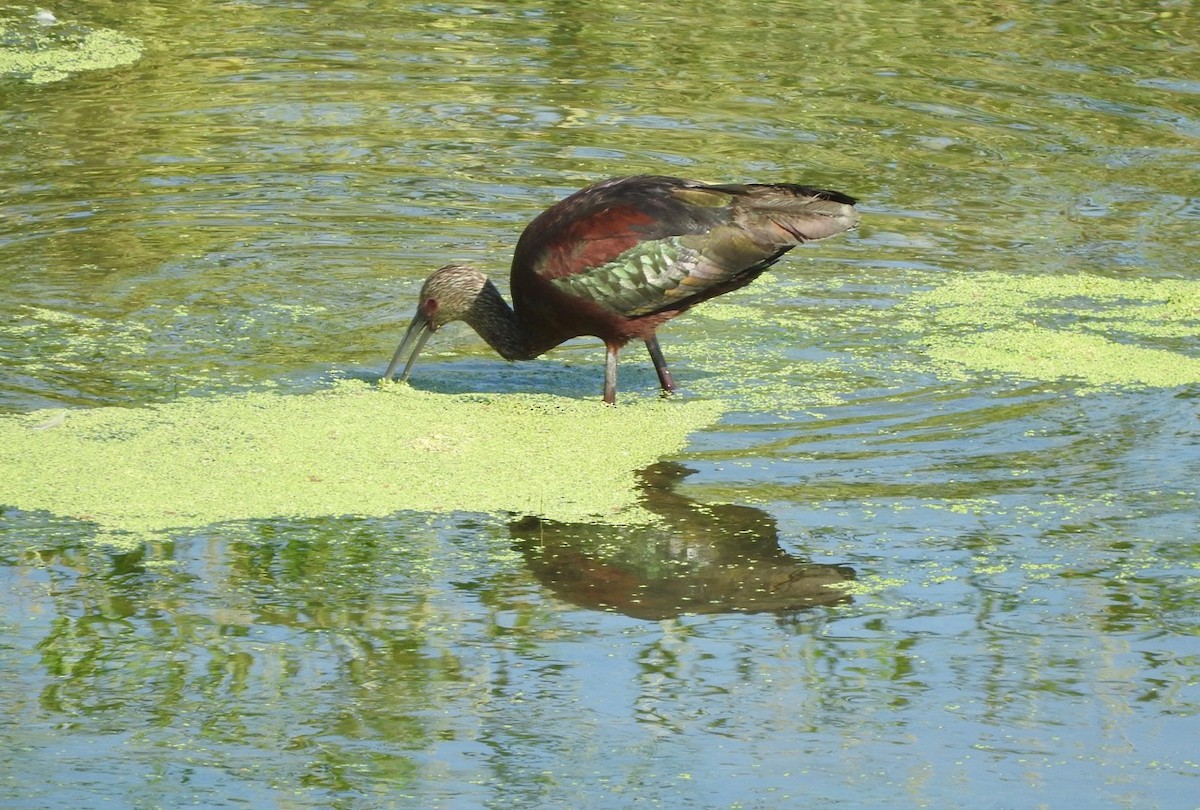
x: 570, y: 259
x: 595, y: 225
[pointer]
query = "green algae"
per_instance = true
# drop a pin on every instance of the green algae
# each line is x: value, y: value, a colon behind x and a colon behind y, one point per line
x: 1101, y: 331
x: 1048, y: 354
x: 48, y: 50
x: 355, y: 449
x: 755, y: 362
x: 803, y: 355
x: 73, y: 343
x: 867, y: 585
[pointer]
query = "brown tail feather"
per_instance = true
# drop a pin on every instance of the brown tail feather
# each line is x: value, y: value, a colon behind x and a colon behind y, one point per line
x: 787, y: 214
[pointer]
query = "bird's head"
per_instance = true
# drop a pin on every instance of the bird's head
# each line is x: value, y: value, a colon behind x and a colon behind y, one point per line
x: 449, y: 294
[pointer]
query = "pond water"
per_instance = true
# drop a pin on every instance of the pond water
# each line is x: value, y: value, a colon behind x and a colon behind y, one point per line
x: 940, y: 551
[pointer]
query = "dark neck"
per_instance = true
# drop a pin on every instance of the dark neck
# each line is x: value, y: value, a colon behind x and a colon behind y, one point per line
x: 500, y: 326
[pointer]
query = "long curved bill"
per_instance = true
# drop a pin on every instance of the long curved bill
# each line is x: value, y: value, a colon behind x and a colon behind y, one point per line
x: 414, y: 340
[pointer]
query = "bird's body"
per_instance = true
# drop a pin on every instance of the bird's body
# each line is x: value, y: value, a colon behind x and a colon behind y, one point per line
x: 619, y: 258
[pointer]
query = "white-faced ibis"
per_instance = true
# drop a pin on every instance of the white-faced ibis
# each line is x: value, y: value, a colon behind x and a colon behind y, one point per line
x: 619, y: 258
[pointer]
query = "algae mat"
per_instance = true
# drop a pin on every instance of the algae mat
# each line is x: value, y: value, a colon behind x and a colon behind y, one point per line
x: 1101, y: 332
x: 41, y: 49
x: 356, y: 449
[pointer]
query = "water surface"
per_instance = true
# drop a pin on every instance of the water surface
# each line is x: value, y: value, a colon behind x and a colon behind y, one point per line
x: 883, y: 579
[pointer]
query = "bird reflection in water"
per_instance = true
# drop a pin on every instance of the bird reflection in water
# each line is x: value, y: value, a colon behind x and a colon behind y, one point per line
x: 702, y: 558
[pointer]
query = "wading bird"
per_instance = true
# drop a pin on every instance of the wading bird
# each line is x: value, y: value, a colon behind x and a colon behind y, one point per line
x: 619, y: 258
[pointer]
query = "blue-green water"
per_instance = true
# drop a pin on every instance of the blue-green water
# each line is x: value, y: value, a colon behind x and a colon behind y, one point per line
x: 256, y: 201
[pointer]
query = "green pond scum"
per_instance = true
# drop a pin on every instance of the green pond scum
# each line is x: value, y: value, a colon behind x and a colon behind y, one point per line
x: 42, y: 49
x: 355, y: 449
x: 359, y: 449
x: 1097, y: 330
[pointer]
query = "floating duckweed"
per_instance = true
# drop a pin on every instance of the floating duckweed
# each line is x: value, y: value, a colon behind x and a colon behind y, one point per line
x: 1049, y: 354
x: 42, y: 49
x: 1089, y: 328
x: 71, y: 342
x: 867, y: 585
x: 755, y: 369
x: 355, y: 449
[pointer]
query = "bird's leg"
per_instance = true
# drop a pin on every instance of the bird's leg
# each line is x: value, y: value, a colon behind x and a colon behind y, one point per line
x: 610, y: 374
x: 660, y: 365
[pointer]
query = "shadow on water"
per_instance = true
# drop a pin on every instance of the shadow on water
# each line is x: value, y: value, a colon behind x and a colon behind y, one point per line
x: 701, y: 558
